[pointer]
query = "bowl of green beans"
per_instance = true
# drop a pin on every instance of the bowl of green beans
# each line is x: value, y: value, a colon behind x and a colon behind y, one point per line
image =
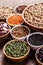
x: 16, y: 50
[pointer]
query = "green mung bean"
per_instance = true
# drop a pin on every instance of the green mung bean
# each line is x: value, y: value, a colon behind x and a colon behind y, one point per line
x: 16, y: 49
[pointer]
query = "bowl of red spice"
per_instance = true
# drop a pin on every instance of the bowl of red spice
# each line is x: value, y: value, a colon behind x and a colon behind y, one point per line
x: 15, y: 20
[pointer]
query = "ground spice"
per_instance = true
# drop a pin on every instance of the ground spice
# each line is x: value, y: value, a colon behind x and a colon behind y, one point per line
x: 15, y: 20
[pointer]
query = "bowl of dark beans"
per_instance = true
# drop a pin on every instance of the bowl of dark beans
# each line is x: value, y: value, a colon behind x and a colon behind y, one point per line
x: 19, y: 8
x: 35, y: 40
x: 4, y: 31
x: 39, y: 55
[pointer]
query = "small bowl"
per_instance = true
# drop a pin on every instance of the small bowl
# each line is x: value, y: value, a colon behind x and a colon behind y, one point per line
x: 21, y: 5
x: 14, y: 24
x: 17, y: 59
x: 3, y: 38
x: 34, y: 47
x: 37, y: 60
x: 20, y: 38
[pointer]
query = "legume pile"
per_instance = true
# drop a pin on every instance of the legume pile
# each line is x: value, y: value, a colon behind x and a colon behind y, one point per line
x: 16, y: 49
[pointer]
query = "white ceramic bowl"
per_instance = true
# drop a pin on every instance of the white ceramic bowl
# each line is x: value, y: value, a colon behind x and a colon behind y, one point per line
x: 34, y: 47
x: 20, y: 38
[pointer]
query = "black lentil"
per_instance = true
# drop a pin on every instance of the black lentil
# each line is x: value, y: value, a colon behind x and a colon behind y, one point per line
x: 36, y: 39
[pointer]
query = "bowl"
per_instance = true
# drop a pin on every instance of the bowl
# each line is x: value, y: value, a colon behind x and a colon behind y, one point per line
x: 4, y: 37
x: 37, y: 60
x: 19, y: 8
x: 16, y: 59
x: 36, y: 41
x: 7, y: 11
x: 19, y: 33
x: 17, y: 20
x: 31, y: 19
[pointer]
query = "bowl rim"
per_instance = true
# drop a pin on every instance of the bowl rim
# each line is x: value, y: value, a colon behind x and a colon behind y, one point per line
x: 36, y: 55
x: 13, y: 15
x: 19, y: 37
x: 31, y: 35
x: 7, y: 32
x: 16, y: 57
x: 26, y: 21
